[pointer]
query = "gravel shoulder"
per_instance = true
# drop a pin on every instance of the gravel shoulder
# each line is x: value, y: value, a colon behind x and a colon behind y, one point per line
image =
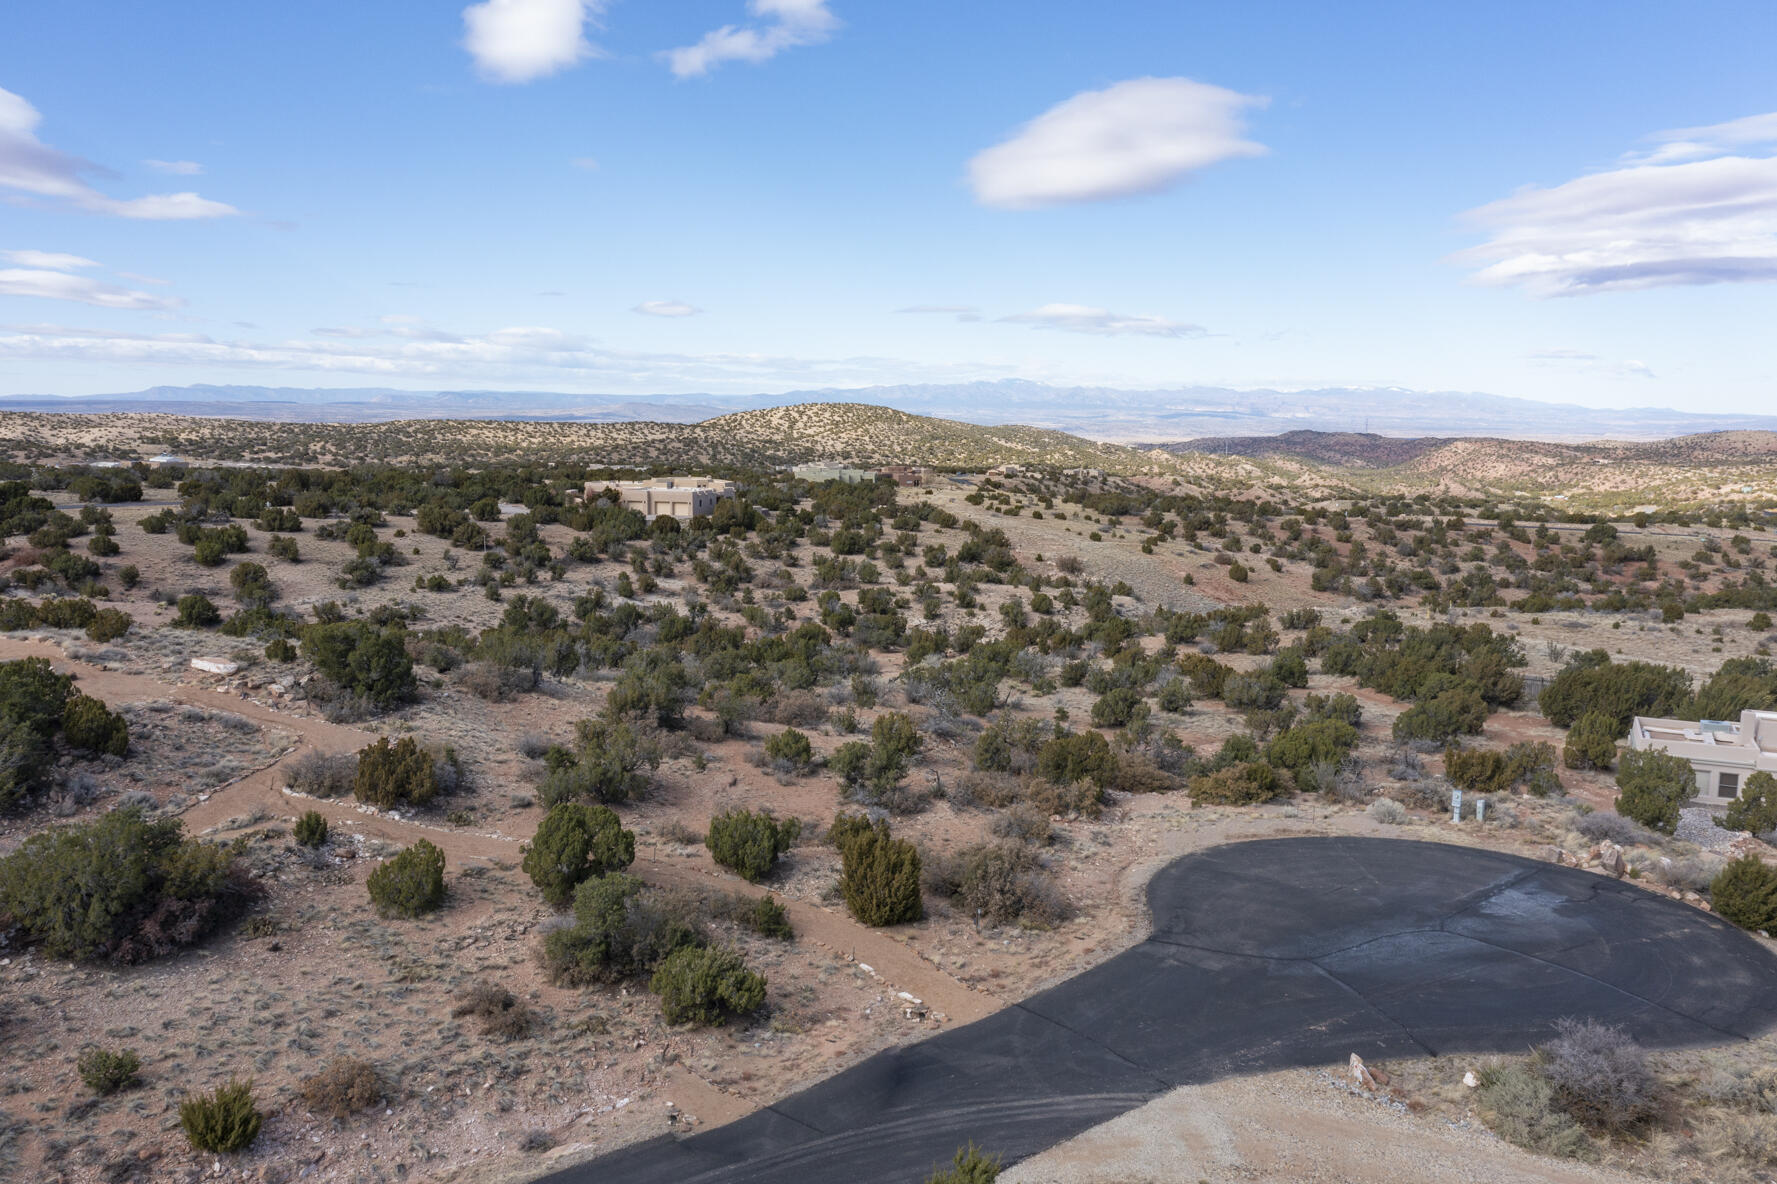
x: 1300, y: 1126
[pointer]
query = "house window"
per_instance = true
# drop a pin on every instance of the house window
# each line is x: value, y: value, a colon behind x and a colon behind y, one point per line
x: 1727, y: 785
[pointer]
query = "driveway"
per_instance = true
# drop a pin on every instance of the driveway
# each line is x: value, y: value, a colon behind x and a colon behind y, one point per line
x: 1265, y: 955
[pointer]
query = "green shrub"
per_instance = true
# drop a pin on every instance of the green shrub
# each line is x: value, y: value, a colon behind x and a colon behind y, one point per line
x: 791, y: 747
x: 607, y: 764
x: 706, y: 986
x: 362, y: 659
x: 1477, y: 770
x: 120, y: 888
x: 280, y: 649
x: 1531, y: 764
x: 1745, y: 893
x: 196, y: 612
x: 311, y: 829
x: 879, y: 876
x: 878, y: 766
x: 1115, y: 708
x: 969, y: 1166
x: 619, y: 933
x: 227, y: 1120
x: 1299, y: 749
x: 749, y: 843
x: 106, y: 1072
x: 32, y: 699
x: 1755, y: 810
x: 1592, y: 742
x: 389, y: 774
x: 1253, y: 692
x: 1455, y: 712
x: 252, y: 586
x: 1084, y: 756
x: 109, y: 624
x: 91, y: 727
x: 767, y: 917
x: 576, y: 841
x: 1618, y: 690
x: 1238, y: 785
x: 411, y: 883
x: 1652, y: 787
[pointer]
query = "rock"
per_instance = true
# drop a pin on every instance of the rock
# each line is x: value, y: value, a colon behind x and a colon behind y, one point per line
x: 1469, y: 1079
x: 215, y: 665
x: 1360, y: 1073
x: 1610, y: 858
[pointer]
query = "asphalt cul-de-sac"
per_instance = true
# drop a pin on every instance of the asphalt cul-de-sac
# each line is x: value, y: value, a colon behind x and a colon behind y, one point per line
x: 1264, y: 955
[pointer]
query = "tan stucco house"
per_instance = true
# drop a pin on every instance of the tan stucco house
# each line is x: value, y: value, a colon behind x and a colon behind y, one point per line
x: 682, y: 497
x: 1724, y: 753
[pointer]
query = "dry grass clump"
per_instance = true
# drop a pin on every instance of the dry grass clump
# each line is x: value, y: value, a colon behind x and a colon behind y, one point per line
x: 998, y: 883
x: 322, y: 774
x: 343, y: 1088
x: 503, y: 1015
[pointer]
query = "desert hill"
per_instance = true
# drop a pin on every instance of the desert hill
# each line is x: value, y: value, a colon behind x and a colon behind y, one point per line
x: 854, y: 433
x: 1685, y: 471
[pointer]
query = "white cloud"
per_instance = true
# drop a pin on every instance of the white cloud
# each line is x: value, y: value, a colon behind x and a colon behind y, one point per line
x: 514, y: 354
x: 786, y: 25
x: 667, y: 308
x: 1579, y: 359
x: 1080, y: 318
x: 586, y: 164
x: 1698, y: 209
x: 962, y: 312
x: 61, y: 285
x: 179, y: 168
x: 53, y: 260
x: 523, y: 40
x: 27, y: 165
x: 1139, y: 136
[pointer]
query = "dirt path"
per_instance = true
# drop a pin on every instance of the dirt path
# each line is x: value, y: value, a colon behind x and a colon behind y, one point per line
x: 898, y: 965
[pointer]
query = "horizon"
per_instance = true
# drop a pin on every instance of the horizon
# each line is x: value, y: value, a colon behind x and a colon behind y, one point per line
x: 736, y: 197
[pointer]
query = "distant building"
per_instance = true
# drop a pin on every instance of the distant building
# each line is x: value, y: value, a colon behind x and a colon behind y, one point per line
x: 827, y: 473
x: 1721, y: 752
x: 682, y: 497
x: 906, y: 474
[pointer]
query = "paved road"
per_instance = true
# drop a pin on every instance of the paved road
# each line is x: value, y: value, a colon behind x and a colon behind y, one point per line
x: 1265, y: 955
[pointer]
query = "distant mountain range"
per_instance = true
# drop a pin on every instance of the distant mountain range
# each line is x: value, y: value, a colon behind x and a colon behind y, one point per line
x: 1100, y: 413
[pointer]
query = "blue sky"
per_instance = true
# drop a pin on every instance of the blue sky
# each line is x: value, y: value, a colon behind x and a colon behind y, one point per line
x: 1571, y: 202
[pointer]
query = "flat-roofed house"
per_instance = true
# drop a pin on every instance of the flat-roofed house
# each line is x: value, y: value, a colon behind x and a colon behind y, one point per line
x: 1724, y: 753
x: 684, y: 498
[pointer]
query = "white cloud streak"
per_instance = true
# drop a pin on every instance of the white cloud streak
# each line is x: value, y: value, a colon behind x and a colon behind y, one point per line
x: 1099, y: 322
x: 1579, y: 359
x: 967, y: 313
x: 29, y: 166
x: 52, y: 260
x: 785, y: 24
x: 1700, y: 208
x: 513, y: 354
x: 63, y: 285
x: 1139, y: 136
x: 666, y: 308
x: 522, y: 40
x: 178, y: 168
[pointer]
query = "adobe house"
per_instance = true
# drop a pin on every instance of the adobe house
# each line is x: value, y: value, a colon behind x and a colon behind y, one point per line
x: 682, y: 497
x: 1722, y: 752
